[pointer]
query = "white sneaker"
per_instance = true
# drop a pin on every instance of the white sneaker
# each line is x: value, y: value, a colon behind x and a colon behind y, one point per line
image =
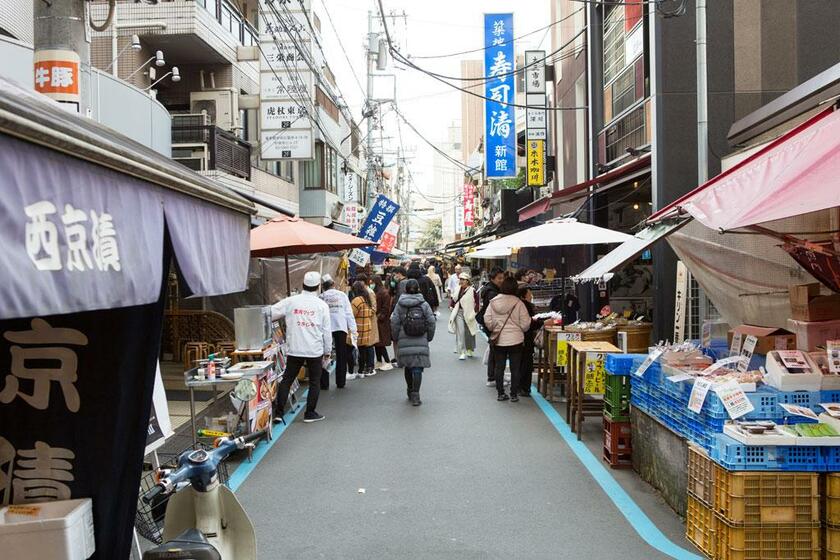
x: 491, y: 383
x: 351, y: 376
x: 386, y: 367
x: 462, y: 357
x: 470, y: 354
x: 378, y: 365
x: 360, y: 376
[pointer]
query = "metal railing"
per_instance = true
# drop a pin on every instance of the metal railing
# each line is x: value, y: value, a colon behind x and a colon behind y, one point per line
x: 225, y: 152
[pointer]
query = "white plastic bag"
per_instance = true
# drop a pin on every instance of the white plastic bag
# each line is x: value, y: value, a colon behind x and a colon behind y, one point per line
x: 486, y: 359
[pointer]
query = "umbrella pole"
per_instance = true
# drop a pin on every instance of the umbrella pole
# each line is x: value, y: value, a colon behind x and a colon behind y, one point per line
x: 288, y: 282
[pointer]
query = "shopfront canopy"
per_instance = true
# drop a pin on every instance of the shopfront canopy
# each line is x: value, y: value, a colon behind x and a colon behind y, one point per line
x: 489, y: 254
x: 85, y: 213
x: 566, y: 231
x: 604, y: 268
x: 795, y: 174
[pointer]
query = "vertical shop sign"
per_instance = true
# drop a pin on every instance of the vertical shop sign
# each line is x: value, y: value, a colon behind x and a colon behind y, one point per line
x: 536, y: 121
x: 286, y: 81
x: 681, y: 302
x: 378, y: 218
x: 500, y: 91
x: 57, y: 76
x: 469, y: 205
x: 536, y: 163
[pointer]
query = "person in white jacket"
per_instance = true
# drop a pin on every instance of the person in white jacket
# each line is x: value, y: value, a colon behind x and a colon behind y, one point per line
x: 343, y: 324
x: 507, y: 319
x: 309, y: 341
x: 462, y: 317
x: 453, y: 283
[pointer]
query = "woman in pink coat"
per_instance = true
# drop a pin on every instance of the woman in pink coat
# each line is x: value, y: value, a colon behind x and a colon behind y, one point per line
x: 507, y: 319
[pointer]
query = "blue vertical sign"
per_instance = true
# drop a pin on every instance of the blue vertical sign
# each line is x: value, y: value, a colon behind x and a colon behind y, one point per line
x: 500, y: 90
x: 380, y: 215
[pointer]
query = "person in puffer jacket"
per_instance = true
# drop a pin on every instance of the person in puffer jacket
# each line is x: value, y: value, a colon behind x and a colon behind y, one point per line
x: 507, y: 320
x: 412, y: 351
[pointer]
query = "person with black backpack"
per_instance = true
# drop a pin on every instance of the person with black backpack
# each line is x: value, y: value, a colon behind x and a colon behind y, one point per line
x: 412, y: 328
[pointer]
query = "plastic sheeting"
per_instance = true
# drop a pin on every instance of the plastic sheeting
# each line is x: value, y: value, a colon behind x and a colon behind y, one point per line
x: 747, y: 277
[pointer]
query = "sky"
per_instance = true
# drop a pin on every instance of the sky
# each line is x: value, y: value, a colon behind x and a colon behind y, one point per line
x: 432, y: 27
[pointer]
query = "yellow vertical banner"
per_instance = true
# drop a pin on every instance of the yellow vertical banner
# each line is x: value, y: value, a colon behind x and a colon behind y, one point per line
x: 562, y: 353
x: 536, y: 163
x: 593, y: 382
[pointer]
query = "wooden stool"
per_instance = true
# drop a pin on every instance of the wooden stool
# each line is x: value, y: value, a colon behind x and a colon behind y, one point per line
x: 225, y: 347
x: 194, y: 351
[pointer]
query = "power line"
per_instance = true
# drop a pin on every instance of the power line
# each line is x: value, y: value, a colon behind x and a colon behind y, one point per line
x: 432, y: 145
x: 449, y: 55
x: 340, y: 44
x: 397, y: 54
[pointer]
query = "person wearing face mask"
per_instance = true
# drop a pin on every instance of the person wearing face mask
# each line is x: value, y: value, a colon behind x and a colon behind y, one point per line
x: 462, y: 317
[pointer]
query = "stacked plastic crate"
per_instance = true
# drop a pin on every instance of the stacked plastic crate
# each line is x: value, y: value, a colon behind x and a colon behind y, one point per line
x: 618, y: 449
x: 741, y: 515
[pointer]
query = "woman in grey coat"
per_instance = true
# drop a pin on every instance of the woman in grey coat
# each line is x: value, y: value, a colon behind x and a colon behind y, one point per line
x: 412, y: 328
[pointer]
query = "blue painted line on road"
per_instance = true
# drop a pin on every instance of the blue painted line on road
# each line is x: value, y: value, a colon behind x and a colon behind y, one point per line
x: 640, y: 522
x: 246, y: 468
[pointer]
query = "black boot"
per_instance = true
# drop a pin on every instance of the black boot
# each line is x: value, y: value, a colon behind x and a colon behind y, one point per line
x: 415, y: 399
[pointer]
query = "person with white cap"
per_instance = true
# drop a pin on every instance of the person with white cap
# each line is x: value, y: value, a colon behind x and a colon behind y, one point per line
x: 309, y: 341
x: 462, y: 322
x: 343, y: 324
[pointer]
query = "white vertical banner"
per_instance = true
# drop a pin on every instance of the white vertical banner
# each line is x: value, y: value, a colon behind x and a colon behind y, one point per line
x: 681, y: 303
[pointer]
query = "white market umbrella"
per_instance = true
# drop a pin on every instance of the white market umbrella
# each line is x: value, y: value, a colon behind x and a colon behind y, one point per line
x: 565, y: 231
x: 488, y: 254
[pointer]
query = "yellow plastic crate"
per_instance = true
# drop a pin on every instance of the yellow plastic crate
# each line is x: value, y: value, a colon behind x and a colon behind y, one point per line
x: 701, y: 475
x: 762, y: 498
x: 700, y: 526
x: 832, y: 500
x: 831, y: 542
x: 802, y: 542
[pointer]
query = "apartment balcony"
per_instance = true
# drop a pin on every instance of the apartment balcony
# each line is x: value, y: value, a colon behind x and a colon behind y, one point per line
x: 187, y: 31
x: 205, y: 147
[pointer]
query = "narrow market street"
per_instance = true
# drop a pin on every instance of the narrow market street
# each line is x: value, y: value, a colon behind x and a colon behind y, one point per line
x: 462, y: 476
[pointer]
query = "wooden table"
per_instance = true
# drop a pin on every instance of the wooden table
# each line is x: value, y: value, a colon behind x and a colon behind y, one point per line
x: 577, y: 405
x: 549, y: 372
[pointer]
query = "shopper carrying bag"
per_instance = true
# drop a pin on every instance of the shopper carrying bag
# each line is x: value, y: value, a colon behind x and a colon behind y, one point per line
x: 462, y: 321
x: 507, y: 320
x: 413, y: 327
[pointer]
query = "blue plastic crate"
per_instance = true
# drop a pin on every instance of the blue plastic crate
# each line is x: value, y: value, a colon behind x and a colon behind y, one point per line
x: 832, y: 396
x: 621, y: 364
x: 800, y: 398
x: 733, y: 455
x: 831, y: 458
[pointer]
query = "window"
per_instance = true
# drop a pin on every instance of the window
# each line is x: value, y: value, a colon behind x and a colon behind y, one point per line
x: 312, y: 171
x: 613, y: 43
x: 331, y: 170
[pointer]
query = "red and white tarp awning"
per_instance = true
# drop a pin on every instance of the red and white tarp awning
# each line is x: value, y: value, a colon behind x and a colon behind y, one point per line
x: 795, y: 174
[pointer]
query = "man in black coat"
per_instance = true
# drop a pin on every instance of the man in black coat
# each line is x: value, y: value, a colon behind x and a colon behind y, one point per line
x: 487, y: 293
x: 427, y: 287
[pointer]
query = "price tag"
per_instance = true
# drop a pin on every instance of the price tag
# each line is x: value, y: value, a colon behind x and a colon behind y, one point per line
x: 735, y: 346
x: 719, y: 364
x: 747, y: 353
x: 833, y: 351
x: 593, y: 381
x: 734, y: 399
x: 562, y: 353
x: 652, y: 357
x: 29, y: 511
x: 698, y: 395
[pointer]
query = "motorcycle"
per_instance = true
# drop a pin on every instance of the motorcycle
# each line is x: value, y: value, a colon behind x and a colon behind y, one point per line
x: 204, y: 521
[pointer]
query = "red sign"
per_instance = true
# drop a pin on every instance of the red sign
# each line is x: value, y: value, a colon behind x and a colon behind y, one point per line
x: 469, y: 205
x: 56, y: 74
x: 389, y: 238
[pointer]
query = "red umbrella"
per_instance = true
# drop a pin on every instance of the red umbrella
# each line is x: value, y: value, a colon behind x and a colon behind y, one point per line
x: 284, y: 236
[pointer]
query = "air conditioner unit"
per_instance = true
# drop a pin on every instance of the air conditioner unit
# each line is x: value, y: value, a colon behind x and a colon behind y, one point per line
x: 335, y: 212
x: 221, y: 105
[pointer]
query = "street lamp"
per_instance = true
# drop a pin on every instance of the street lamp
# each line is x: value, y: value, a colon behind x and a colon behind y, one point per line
x: 135, y: 45
x: 176, y: 77
x: 159, y: 61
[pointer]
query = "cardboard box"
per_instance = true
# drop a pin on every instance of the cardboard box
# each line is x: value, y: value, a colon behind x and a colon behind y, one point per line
x: 811, y: 334
x: 769, y: 338
x: 806, y: 304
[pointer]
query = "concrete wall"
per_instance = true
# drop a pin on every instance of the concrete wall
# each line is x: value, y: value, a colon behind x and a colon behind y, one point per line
x: 661, y: 459
x: 113, y: 102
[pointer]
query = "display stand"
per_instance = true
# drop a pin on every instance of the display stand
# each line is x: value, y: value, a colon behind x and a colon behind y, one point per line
x: 578, y: 406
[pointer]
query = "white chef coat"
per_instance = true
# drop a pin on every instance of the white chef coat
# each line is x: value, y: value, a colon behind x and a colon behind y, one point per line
x: 308, y: 326
x: 341, y: 314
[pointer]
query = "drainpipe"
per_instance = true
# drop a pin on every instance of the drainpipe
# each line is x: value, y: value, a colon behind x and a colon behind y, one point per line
x: 702, y: 97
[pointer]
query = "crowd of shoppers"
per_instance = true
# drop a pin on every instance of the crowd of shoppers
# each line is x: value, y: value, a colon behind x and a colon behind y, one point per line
x: 400, y: 308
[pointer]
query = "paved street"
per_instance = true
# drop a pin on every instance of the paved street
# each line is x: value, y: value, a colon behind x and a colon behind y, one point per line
x: 462, y: 476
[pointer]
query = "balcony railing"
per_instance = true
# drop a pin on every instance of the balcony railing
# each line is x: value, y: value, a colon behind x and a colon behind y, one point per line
x: 231, y: 20
x: 202, y: 147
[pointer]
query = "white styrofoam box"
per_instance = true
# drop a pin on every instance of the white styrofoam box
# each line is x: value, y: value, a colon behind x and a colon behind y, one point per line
x: 775, y: 437
x: 61, y: 530
x: 778, y: 376
x: 810, y: 334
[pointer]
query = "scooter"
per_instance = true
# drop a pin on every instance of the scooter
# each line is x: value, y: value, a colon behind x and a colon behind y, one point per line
x: 204, y: 521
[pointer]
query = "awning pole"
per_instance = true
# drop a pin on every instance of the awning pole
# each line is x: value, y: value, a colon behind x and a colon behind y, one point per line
x: 288, y: 282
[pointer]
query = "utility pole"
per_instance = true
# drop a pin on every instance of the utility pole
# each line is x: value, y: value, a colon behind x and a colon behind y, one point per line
x: 702, y: 96
x: 371, y: 38
x: 62, y: 52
